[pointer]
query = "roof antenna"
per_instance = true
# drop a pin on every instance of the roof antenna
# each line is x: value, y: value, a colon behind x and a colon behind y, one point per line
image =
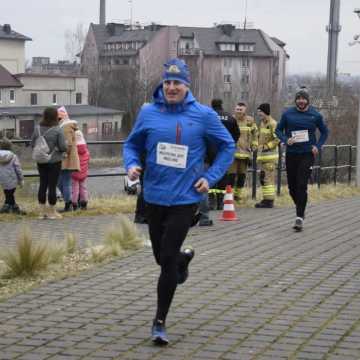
x: 131, y: 14
x: 245, y: 18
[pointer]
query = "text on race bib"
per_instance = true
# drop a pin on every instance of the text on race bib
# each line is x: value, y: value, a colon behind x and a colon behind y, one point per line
x: 300, y: 136
x: 172, y: 155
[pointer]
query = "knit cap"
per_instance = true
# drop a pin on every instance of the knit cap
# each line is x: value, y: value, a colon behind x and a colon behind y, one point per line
x: 303, y: 92
x: 176, y: 69
x: 265, y: 108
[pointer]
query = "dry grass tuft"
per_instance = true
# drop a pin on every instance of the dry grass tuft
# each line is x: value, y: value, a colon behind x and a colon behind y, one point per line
x: 122, y: 235
x: 71, y: 243
x: 28, y: 257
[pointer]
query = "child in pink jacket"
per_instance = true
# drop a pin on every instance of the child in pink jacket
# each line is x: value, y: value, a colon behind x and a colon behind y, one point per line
x: 80, y: 195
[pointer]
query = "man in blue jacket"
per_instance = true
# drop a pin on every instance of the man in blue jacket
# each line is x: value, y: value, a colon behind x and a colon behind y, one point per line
x: 173, y: 132
x: 297, y: 129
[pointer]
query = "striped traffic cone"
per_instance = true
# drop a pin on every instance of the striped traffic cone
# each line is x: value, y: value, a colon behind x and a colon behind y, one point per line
x: 229, y: 213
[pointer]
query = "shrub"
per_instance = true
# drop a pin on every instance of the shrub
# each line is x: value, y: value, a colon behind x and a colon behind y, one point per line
x: 122, y: 235
x: 27, y: 258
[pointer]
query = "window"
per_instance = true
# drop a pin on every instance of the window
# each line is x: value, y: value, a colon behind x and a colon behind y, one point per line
x: 106, y: 128
x: 245, y: 62
x: 246, y: 47
x: 33, y: 99
x: 54, y: 99
x: 244, y: 95
x: 227, y: 78
x: 227, y: 62
x: 12, y: 96
x: 227, y: 47
x: 245, y: 78
x: 78, y: 99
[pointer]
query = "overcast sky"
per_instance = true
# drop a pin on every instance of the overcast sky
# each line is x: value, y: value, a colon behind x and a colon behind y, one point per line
x: 300, y: 24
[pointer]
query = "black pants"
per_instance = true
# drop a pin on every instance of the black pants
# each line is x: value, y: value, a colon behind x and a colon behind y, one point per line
x: 298, y: 170
x: 10, y: 196
x: 168, y: 227
x: 49, y: 175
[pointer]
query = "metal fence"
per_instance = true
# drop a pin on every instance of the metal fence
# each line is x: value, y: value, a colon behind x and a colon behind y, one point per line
x: 329, y: 159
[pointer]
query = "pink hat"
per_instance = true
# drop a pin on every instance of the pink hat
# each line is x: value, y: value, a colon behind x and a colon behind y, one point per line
x: 62, y: 113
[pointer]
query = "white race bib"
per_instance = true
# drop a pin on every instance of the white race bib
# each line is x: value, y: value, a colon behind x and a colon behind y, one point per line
x: 172, y: 155
x: 300, y: 136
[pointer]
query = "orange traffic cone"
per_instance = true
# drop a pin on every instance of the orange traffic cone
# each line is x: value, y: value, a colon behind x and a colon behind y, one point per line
x: 229, y: 213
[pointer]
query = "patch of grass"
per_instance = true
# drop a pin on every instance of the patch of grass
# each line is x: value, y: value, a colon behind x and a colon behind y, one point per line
x: 61, y: 260
x: 71, y: 243
x: 326, y: 192
x: 96, y: 206
x: 27, y: 258
x: 122, y: 235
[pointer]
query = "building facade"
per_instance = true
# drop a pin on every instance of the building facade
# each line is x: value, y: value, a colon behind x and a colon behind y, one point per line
x: 225, y: 61
x: 12, y: 49
x: 24, y: 95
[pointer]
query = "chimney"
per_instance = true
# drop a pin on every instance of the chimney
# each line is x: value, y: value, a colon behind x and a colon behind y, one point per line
x: 7, y: 28
x: 227, y: 29
x: 102, y: 19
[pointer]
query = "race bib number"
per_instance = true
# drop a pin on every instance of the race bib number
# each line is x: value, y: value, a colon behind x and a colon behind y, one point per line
x: 172, y: 155
x: 300, y: 136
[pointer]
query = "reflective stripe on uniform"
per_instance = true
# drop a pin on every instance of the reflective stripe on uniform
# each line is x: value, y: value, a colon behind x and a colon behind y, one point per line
x: 268, y: 192
x: 267, y: 157
x: 242, y: 156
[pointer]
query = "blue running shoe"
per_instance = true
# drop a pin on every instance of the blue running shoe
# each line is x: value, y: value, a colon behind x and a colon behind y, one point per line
x: 183, y: 269
x: 158, y: 333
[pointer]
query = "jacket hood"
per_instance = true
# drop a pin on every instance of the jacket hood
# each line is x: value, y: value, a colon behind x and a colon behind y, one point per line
x: 159, y: 98
x: 68, y: 121
x: 6, y: 156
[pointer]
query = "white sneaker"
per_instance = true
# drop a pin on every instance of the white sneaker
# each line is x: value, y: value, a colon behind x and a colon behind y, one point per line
x: 298, y: 225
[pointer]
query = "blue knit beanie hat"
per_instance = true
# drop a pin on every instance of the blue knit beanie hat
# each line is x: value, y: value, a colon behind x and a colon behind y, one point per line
x: 176, y: 69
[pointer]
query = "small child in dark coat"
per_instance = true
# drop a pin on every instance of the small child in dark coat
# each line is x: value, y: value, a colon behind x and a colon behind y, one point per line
x: 10, y: 177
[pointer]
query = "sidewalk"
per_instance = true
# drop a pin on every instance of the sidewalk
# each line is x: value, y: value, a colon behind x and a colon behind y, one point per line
x: 257, y: 290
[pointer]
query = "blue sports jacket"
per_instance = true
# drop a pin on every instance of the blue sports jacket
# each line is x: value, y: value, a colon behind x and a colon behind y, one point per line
x: 295, y: 120
x: 188, y: 123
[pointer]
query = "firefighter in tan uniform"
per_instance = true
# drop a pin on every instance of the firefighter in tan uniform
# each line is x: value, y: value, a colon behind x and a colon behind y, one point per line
x: 267, y: 156
x: 247, y: 143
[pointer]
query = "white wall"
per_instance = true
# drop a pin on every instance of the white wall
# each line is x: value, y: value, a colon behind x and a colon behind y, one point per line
x: 65, y: 89
x: 12, y: 55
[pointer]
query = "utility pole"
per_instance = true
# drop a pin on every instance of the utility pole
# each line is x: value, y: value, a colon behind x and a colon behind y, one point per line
x: 356, y: 41
x: 333, y: 29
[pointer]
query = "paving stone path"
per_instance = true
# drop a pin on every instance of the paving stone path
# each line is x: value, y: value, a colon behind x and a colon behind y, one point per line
x: 257, y: 290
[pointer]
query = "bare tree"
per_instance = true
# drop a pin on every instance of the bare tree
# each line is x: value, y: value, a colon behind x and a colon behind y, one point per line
x: 74, y: 41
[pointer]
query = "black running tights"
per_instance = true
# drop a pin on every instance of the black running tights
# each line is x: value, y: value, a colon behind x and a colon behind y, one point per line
x: 168, y: 227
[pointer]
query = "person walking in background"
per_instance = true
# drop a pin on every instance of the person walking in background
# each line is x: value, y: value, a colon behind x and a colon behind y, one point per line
x: 173, y: 132
x: 247, y: 143
x: 71, y: 162
x: 232, y: 127
x: 267, y: 156
x: 49, y: 172
x: 297, y: 130
x: 11, y: 176
x: 80, y: 196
